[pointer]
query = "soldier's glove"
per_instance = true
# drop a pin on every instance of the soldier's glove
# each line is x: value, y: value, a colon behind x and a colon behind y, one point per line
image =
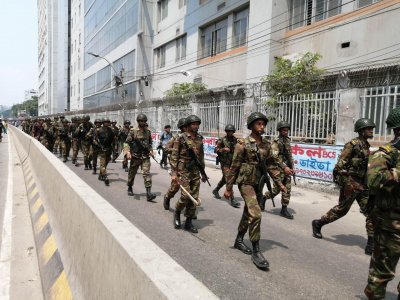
x: 396, y: 174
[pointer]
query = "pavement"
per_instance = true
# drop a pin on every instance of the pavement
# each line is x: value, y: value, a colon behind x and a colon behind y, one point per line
x: 301, y: 267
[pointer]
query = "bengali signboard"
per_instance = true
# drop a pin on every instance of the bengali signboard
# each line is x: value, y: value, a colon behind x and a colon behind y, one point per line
x: 315, y: 161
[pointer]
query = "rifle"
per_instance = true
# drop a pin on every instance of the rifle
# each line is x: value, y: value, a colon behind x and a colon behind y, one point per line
x: 264, y: 179
x: 289, y: 163
x: 143, y: 148
x: 196, y: 161
x: 396, y: 143
x: 96, y: 139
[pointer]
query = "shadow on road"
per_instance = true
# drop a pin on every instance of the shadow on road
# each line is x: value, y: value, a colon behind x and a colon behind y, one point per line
x: 348, y: 240
x: 388, y: 296
x: 201, y: 223
x: 277, y: 211
x: 270, y: 244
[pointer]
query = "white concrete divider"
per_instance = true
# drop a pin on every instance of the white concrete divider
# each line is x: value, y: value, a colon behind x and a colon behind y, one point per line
x: 104, y: 255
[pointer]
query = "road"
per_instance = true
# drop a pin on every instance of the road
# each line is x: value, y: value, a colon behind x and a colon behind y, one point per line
x: 301, y: 267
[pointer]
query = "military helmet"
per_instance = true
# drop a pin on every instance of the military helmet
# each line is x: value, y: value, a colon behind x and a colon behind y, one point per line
x: 181, y: 122
x: 255, y: 116
x: 106, y: 120
x: 127, y: 122
x: 62, y: 117
x: 113, y: 122
x: 86, y: 118
x: 363, y: 123
x: 283, y: 124
x: 73, y: 119
x: 393, y: 119
x: 141, y: 117
x: 192, y: 119
x: 230, y: 127
x: 97, y: 121
x: 64, y: 121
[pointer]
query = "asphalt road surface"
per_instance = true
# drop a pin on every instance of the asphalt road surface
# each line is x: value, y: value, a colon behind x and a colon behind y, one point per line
x: 301, y: 267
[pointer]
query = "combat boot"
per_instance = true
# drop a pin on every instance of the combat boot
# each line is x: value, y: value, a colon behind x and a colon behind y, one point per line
x: 65, y: 159
x: 215, y: 193
x: 177, y: 219
x: 166, y: 202
x: 189, y: 226
x: 86, y: 164
x: 285, y: 213
x: 106, y: 180
x: 73, y: 161
x: 316, y: 228
x: 89, y: 165
x: 94, y: 169
x: 130, y: 191
x: 150, y: 195
x: 262, y: 203
x: 257, y: 257
x: 240, y: 245
x: 369, y: 248
x: 235, y: 203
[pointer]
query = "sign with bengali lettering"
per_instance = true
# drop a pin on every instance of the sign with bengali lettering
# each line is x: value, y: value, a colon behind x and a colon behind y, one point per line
x: 315, y: 161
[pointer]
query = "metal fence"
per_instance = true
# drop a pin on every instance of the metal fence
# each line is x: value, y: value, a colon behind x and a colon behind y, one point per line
x: 312, y: 117
x: 216, y: 115
x: 376, y: 104
x: 172, y: 114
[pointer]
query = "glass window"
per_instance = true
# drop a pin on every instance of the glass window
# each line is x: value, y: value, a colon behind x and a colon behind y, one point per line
x: 240, y: 25
x: 327, y: 8
x: 213, y: 38
x: 126, y: 64
x: 160, y: 57
x: 103, y: 79
x: 182, y: 3
x: 163, y: 9
x: 362, y: 3
x: 181, y: 48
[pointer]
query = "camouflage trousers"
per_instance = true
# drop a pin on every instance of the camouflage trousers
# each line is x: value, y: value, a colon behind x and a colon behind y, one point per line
x: 57, y: 144
x: 45, y: 142
x: 115, y: 151
x: 251, y: 218
x: 287, y: 182
x: 222, y: 182
x: 87, y: 152
x: 65, y: 147
x: 348, y: 194
x: 95, y: 154
x: 76, y: 144
x: 105, y: 157
x: 383, y: 263
x: 173, y: 189
x: 191, y: 182
x: 135, y: 164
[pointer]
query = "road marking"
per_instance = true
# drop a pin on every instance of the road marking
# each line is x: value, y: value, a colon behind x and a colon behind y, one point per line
x: 60, y: 289
x: 33, y: 193
x: 5, y: 251
x: 43, y: 220
x: 48, y: 249
x: 36, y: 206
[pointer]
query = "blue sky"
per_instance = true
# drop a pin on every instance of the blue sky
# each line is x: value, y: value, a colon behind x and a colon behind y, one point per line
x: 18, y: 49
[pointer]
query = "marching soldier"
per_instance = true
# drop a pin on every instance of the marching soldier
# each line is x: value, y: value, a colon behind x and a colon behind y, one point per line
x: 187, y: 161
x: 384, y: 185
x: 86, y: 143
x: 106, y: 141
x: 138, y: 149
x: 224, y: 150
x: 122, y: 135
x: 350, y: 173
x: 65, y: 140
x: 282, y: 153
x: 93, y: 136
x: 76, y: 142
x: 174, y: 188
x: 57, y: 125
x: 48, y: 135
x: 251, y: 159
x: 115, y: 144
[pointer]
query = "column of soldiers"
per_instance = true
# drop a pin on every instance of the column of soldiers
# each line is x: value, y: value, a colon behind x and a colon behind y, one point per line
x: 373, y: 180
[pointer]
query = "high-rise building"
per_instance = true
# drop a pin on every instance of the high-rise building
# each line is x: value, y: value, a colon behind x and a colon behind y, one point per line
x: 53, y: 56
x: 30, y: 93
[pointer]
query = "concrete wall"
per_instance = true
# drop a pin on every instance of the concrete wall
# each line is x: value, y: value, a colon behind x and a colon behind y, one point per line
x: 104, y: 255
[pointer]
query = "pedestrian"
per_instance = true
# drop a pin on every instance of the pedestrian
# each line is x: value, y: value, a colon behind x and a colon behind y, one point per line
x: 282, y: 153
x: 224, y: 150
x: 165, y: 136
x: 251, y: 158
x: 138, y: 149
x: 174, y: 187
x: 187, y: 159
x: 350, y: 173
x: 384, y: 185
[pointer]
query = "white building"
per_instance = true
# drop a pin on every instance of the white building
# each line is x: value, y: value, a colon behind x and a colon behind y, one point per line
x: 53, y: 58
x: 77, y: 54
x: 30, y: 93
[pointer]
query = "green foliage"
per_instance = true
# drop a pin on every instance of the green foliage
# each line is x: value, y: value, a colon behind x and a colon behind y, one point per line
x: 179, y: 89
x: 30, y: 106
x: 293, y: 78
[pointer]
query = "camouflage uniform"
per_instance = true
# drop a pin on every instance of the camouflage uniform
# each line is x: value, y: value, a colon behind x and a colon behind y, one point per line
x: 76, y: 142
x: 115, y: 143
x: 93, y: 137
x: 106, y: 140
x: 86, y: 143
x: 282, y: 153
x: 65, y: 140
x: 246, y: 172
x: 122, y: 135
x: 352, y: 167
x: 48, y: 135
x: 225, y: 158
x: 139, y: 143
x: 174, y: 187
x: 383, y: 181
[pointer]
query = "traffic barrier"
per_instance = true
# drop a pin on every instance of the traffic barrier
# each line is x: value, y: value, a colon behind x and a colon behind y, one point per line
x: 104, y: 255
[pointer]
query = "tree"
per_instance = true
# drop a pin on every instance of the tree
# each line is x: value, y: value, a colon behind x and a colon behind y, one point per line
x: 30, y: 106
x: 179, y: 89
x: 293, y: 77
